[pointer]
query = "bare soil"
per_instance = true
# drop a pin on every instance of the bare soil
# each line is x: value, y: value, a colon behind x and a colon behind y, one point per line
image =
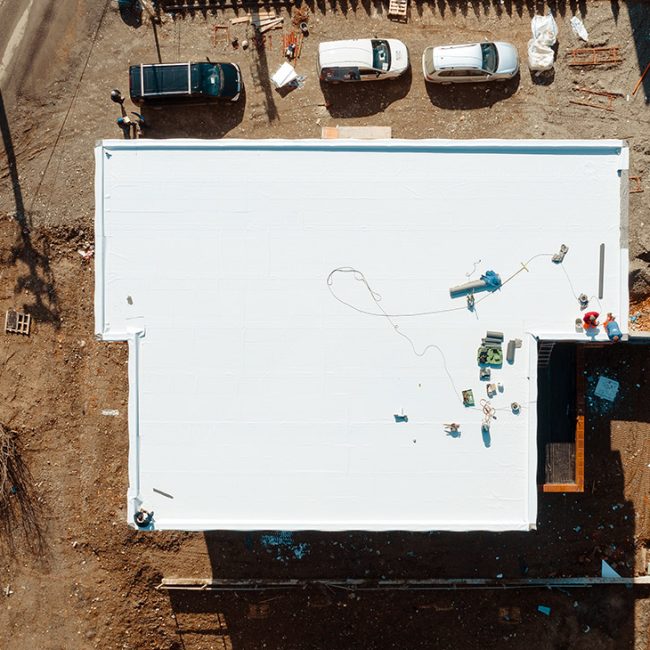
x: 73, y: 574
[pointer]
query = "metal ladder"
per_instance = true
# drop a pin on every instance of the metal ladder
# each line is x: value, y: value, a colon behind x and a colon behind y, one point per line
x: 544, y: 351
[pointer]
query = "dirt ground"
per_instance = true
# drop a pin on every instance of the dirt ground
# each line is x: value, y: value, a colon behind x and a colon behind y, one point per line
x: 72, y: 574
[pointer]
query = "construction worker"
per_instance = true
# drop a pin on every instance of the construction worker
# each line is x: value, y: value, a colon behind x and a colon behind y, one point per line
x: 125, y: 123
x: 143, y: 518
x: 590, y: 319
x: 613, y: 330
x: 137, y: 123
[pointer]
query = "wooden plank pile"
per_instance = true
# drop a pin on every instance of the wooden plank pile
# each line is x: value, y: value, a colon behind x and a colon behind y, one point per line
x: 263, y: 20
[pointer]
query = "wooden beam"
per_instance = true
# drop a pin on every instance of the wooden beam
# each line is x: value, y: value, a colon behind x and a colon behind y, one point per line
x: 225, y: 584
x: 580, y: 453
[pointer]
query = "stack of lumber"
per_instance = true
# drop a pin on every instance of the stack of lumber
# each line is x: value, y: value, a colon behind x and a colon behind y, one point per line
x: 263, y: 20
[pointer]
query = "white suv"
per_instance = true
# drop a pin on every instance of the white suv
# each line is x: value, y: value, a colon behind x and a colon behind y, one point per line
x: 363, y: 59
x: 470, y: 63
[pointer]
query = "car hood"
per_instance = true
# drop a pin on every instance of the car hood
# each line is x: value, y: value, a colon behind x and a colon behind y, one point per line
x: 457, y: 56
x: 508, y: 58
x: 346, y: 54
x: 399, y: 55
x: 231, y: 80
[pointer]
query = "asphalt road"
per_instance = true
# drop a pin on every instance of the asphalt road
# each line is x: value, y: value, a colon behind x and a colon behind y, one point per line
x: 39, y: 40
x: 16, y: 18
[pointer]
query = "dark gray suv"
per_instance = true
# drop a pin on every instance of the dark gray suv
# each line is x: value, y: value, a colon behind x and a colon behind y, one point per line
x: 172, y: 83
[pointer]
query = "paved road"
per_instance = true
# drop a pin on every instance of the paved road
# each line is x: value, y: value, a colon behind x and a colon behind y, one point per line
x: 15, y: 19
x: 40, y: 39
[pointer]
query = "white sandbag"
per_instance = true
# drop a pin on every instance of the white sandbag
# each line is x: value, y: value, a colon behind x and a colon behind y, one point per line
x: 544, y: 29
x: 540, y: 57
x: 579, y: 29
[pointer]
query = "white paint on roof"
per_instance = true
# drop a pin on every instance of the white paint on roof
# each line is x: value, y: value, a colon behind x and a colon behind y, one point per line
x: 259, y: 401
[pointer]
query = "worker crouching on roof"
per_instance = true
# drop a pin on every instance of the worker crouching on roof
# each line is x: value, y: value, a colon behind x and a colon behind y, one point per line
x: 590, y: 319
x: 613, y: 330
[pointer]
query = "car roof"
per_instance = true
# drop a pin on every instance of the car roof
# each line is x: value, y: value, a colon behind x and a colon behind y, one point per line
x: 348, y: 54
x: 448, y: 57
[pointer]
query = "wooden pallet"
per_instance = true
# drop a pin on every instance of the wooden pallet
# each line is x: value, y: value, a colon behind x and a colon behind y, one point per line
x: 398, y: 9
x: 595, y: 55
x: 17, y: 322
x: 578, y: 459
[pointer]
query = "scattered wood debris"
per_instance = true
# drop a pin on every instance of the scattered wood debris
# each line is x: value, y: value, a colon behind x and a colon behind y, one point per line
x: 220, y: 29
x: 595, y: 98
x: 594, y: 55
x: 299, y: 15
x: 635, y: 185
x: 17, y: 322
x: 640, y: 81
x: 268, y: 25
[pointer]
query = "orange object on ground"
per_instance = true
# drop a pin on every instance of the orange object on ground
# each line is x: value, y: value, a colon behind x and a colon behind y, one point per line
x: 640, y: 81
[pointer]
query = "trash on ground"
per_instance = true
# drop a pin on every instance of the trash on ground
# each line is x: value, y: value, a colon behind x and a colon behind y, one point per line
x: 606, y: 570
x: 540, y: 57
x: 544, y: 30
x: 511, y: 615
x: 87, y: 253
x: 544, y: 610
x: 110, y: 412
x: 579, y: 29
x: 540, y: 53
x: 606, y: 388
x: 284, y: 75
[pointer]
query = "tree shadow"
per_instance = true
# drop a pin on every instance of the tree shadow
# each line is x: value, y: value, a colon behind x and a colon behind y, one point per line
x: 21, y: 514
x: 362, y: 99
x: 471, y: 96
x: 39, y: 280
x: 480, y: 8
x: 344, y: 7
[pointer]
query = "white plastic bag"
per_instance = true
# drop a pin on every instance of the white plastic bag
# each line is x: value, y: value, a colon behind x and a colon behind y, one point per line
x: 579, y: 29
x: 544, y: 29
x: 540, y: 57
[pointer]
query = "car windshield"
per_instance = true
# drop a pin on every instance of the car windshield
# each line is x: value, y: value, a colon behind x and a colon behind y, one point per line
x: 380, y: 55
x: 490, y: 57
x: 211, y: 79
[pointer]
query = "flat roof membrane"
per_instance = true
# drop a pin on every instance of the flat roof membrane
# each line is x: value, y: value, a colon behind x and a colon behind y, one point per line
x: 294, y: 351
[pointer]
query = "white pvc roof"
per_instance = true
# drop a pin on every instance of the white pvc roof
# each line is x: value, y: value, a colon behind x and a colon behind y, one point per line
x: 257, y: 400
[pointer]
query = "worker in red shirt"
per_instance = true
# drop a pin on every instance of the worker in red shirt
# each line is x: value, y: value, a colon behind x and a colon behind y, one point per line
x: 590, y: 319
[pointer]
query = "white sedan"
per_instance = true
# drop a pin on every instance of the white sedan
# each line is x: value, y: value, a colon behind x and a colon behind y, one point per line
x: 470, y: 63
x: 363, y: 59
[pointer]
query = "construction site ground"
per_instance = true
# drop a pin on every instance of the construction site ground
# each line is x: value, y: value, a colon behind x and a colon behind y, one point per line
x: 73, y: 575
